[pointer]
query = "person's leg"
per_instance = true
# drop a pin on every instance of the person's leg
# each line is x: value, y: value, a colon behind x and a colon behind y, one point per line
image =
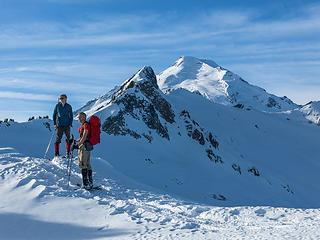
x: 90, y: 178
x: 84, y: 173
x: 59, y: 132
x: 82, y: 165
x: 67, y: 138
x: 89, y: 169
x: 86, y: 164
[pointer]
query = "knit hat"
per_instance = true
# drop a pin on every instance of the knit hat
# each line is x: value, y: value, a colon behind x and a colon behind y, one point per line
x: 63, y: 96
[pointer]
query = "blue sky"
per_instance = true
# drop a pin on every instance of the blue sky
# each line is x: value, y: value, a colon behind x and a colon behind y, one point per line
x: 85, y: 47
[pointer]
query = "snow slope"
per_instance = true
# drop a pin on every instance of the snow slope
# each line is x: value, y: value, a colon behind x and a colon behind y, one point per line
x: 35, y: 203
x: 219, y: 85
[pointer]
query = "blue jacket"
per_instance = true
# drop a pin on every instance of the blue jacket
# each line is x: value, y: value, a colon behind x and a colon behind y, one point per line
x: 62, y: 115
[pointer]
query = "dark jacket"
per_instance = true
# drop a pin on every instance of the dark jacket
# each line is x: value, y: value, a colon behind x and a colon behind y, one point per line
x: 62, y: 115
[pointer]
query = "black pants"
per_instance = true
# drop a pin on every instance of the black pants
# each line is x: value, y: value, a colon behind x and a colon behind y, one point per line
x: 60, y: 131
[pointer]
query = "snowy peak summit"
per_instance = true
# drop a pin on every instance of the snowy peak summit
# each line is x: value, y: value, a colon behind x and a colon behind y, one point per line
x: 144, y: 74
x: 183, y: 71
x: 192, y: 61
x: 219, y: 85
x: 137, y: 108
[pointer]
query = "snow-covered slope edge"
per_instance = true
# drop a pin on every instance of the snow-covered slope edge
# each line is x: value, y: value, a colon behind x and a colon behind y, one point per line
x: 219, y: 85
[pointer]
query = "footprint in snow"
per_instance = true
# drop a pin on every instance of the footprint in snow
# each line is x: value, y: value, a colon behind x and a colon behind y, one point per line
x: 234, y: 212
x: 260, y: 212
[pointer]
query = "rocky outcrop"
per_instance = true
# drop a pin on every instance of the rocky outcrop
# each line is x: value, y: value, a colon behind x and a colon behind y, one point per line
x: 204, y: 138
x: 140, y: 99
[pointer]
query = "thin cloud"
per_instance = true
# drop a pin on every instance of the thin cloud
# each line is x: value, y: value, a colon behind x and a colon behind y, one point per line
x: 220, y: 26
x: 45, y: 85
x: 26, y: 96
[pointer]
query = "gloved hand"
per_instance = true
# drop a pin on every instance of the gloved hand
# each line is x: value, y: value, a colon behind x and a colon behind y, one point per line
x: 74, y: 146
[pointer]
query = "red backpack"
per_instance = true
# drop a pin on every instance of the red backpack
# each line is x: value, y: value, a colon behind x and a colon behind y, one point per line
x: 95, y: 131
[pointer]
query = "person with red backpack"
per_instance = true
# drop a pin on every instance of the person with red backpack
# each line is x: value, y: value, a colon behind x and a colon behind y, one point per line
x: 89, y: 136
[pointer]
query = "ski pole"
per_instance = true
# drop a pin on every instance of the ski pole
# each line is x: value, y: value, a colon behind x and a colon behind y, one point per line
x: 68, y: 166
x: 71, y: 144
x: 70, y: 159
x: 45, y: 154
x: 69, y: 173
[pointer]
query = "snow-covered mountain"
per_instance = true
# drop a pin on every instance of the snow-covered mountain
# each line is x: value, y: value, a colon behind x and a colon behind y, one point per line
x: 311, y: 111
x: 182, y: 143
x: 172, y: 165
x: 219, y: 85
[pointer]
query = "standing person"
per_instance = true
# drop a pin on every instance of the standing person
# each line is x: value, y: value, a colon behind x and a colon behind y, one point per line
x: 62, y: 119
x: 84, y: 151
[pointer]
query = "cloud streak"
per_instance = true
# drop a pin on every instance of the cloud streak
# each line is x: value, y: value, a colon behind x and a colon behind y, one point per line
x: 216, y: 25
x: 26, y: 96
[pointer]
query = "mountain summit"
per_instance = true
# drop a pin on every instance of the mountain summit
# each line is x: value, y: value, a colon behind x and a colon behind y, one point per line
x: 219, y: 85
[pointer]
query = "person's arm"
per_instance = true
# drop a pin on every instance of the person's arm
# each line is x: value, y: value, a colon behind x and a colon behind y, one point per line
x: 70, y: 116
x: 54, y: 117
x: 84, y: 137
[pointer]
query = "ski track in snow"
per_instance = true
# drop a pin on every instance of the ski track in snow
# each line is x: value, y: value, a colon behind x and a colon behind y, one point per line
x: 35, y: 187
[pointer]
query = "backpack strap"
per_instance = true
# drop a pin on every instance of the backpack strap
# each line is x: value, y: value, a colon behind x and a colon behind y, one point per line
x: 82, y: 129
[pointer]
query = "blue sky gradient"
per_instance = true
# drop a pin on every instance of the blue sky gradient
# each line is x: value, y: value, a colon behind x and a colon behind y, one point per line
x: 85, y: 47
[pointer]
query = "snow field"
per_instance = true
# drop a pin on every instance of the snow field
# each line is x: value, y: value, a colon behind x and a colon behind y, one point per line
x: 36, y: 204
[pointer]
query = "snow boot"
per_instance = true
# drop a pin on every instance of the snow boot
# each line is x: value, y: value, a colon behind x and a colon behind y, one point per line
x: 56, y: 149
x: 85, y: 178
x: 90, y: 178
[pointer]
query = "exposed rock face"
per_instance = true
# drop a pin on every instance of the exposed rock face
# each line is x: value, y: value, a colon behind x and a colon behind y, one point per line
x: 236, y: 168
x: 116, y: 125
x: 311, y: 111
x: 204, y: 138
x: 273, y: 103
x: 160, y: 104
x: 141, y: 99
x: 254, y: 171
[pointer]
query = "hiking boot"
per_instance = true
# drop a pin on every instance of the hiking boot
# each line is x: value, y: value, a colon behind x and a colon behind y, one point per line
x: 68, y: 155
x: 56, y: 149
x: 87, y: 187
x: 84, y: 177
x: 68, y: 145
x: 90, y: 177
